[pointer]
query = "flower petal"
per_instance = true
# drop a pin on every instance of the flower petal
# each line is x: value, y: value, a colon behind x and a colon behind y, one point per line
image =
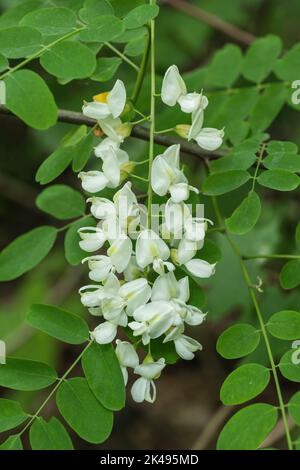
x: 116, y: 99
x: 173, y: 86
x: 200, y: 268
x: 104, y: 333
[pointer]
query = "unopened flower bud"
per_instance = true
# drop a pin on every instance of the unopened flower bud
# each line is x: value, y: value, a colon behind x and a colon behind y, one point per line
x: 124, y: 130
x: 182, y: 130
x: 126, y: 169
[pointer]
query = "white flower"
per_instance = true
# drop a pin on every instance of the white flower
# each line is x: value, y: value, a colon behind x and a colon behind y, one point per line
x: 174, y: 91
x: 210, y: 139
x: 102, y: 208
x: 207, y: 138
x: 107, y: 104
x: 127, y: 357
x: 200, y: 268
x: 186, y: 346
x: 152, y: 320
x: 92, y: 238
x: 113, y: 160
x: 93, y: 181
x: 90, y: 295
x: 106, y: 144
x: 104, y: 333
x: 144, y: 387
x: 133, y: 271
x: 115, y: 130
x: 167, y: 177
x: 100, y: 266
x: 177, y: 293
x: 151, y: 249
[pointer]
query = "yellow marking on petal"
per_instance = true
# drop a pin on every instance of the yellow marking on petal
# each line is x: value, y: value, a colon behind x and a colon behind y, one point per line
x: 102, y: 97
x: 112, y: 250
x: 153, y: 250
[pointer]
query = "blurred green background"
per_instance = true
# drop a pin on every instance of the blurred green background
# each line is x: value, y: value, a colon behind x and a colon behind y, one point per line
x: 188, y: 392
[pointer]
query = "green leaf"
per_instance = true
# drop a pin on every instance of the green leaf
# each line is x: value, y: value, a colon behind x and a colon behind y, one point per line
x: 294, y: 408
x: 287, y: 161
x: 281, y: 180
x: 106, y: 68
x: 12, y: 443
x: 103, y: 373
x: 285, y: 325
x: 102, y: 29
x: 245, y: 216
x: 93, y: 8
x: 3, y: 63
x: 225, y: 67
x: 18, y: 42
x: 12, y: 16
x: 49, y: 435
x: 131, y: 35
x: 282, y: 155
x: 25, y: 252
x: 82, y: 152
x: 54, y: 165
x: 238, y: 341
x: 51, y: 21
x: 140, y: 16
x: 289, y: 365
x: 237, y: 131
x: 222, y: 183
x: 244, y: 383
x: 74, y: 254
x: 61, y: 202
x: 11, y: 414
x: 290, y: 274
x: 76, y: 145
x: 248, y: 428
x: 69, y: 60
x: 267, y: 108
x: 136, y: 47
x: 83, y: 412
x: 288, y: 67
x: 261, y: 57
x: 59, y: 323
x: 29, y: 98
x: 21, y: 374
x: 282, y: 147
x: 241, y: 157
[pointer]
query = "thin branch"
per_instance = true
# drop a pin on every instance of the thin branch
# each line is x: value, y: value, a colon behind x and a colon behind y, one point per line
x: 214, y: 21
x: 139, y: 132
x: 212, y: 427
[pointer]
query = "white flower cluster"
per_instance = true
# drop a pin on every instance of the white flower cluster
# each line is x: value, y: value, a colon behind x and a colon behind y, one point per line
x: 121, y: 294
x: 174, y: 91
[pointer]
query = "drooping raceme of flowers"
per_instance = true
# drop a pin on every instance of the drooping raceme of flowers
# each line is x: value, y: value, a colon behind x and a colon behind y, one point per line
x: 132, y: 267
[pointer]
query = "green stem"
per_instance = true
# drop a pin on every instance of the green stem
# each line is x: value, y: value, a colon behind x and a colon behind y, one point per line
x: 36, y: 55
x: 165, y: 131
x: 142, y: 71
x: 122, y: 56
x: 152, y: 114
x: 55, y: 389
x: 140, y: 178
x: 65, y: 227
x: 247, y: 279
x: 275, y: 256
x: 261, y: 153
